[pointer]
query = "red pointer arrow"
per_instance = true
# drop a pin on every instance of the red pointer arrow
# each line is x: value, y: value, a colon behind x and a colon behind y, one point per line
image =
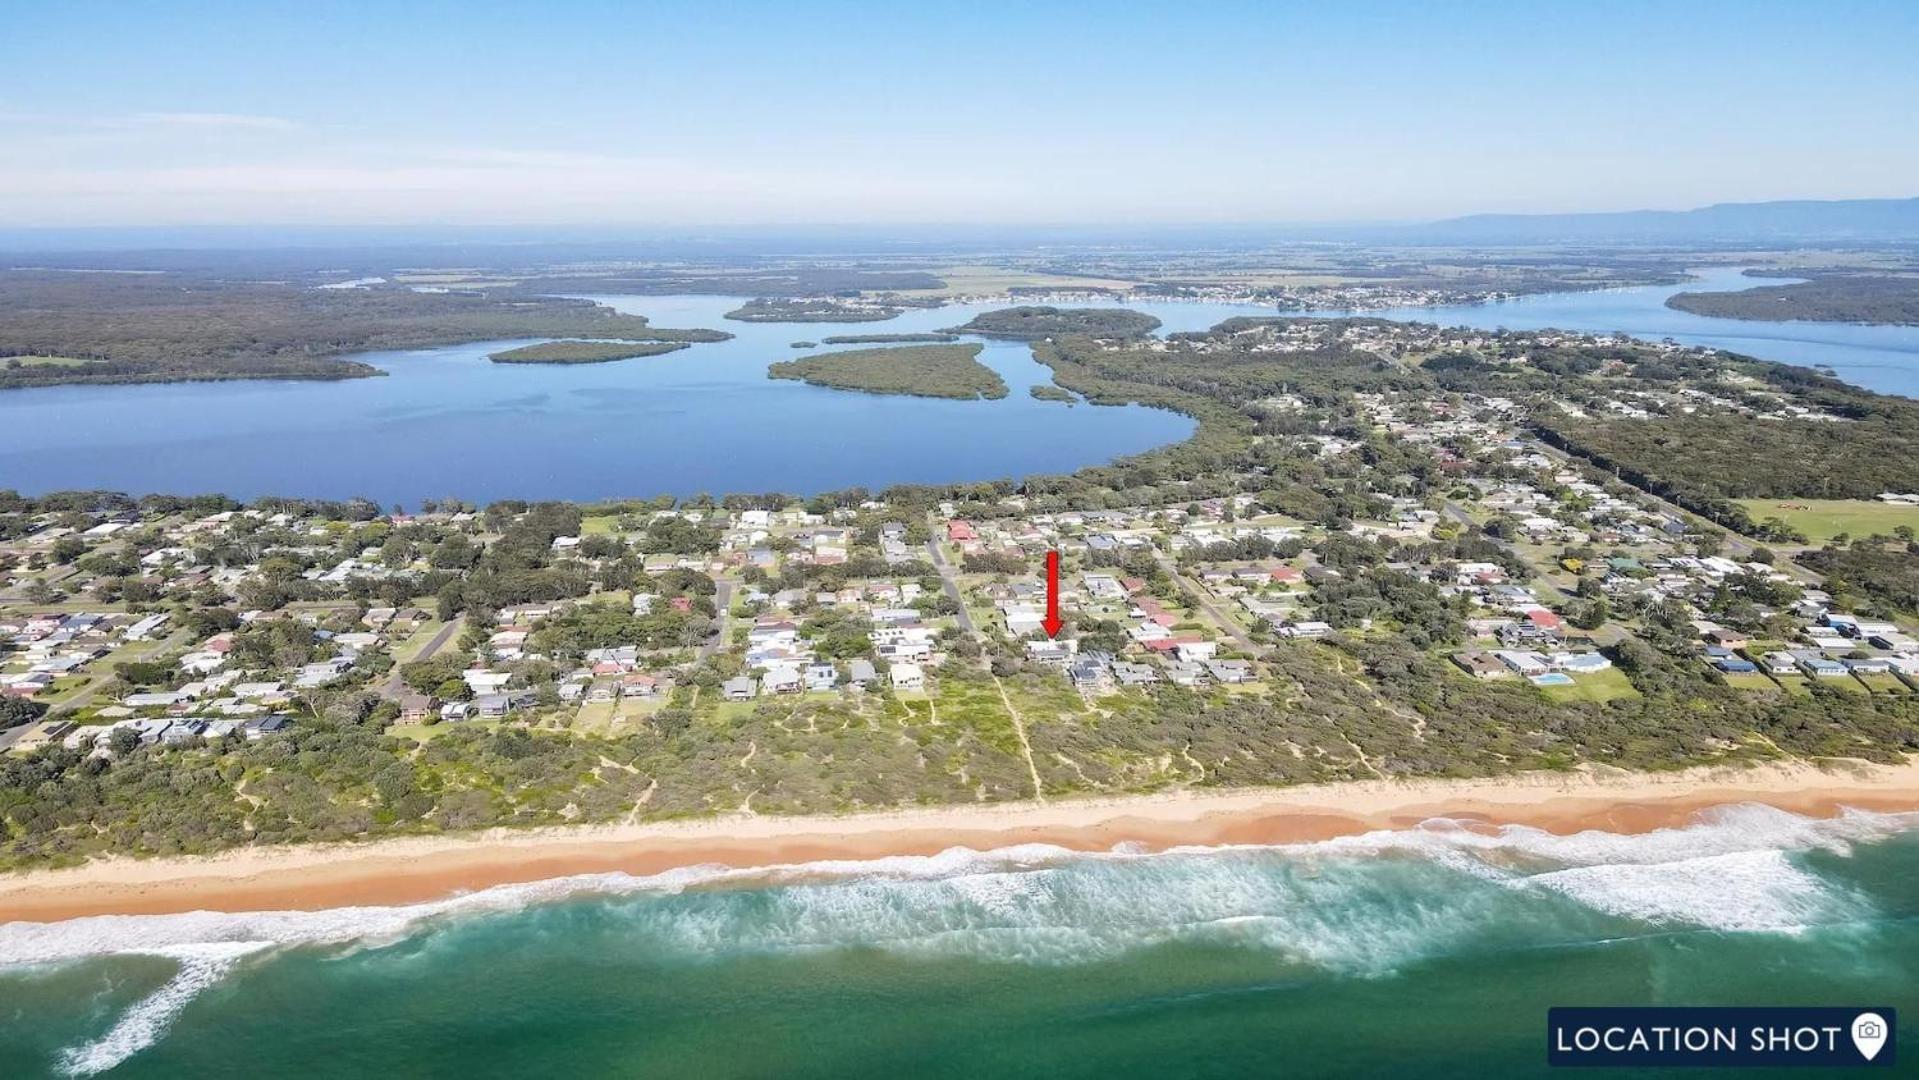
x: 1053, y: 622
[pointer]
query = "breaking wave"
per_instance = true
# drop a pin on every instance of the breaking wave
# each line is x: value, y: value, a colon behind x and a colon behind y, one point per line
x: 142, y: 1025
x: 1360, y: 906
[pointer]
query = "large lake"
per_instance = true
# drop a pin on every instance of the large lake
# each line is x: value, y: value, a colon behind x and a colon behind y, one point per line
x: 1882, y: 358
x: 447, y: 422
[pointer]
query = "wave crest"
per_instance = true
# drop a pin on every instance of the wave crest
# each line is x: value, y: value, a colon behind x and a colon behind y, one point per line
x: 1360, y: 905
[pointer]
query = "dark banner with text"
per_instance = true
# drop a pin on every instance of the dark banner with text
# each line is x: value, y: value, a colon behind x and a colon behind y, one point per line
x: 1642, y: 1036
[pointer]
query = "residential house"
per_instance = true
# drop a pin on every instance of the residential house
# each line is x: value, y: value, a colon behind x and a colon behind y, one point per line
x: 1230, y: 672
x: 1481, y: 665
x: 782, y: 679
x: 1580, y: 663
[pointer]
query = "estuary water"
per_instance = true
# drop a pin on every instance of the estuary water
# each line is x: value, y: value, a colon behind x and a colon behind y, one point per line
x: 447, y: 422
x: 1427, y: 952
x: 1882, y: 358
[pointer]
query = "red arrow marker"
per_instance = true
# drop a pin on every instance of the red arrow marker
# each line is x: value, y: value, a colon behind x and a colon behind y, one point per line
x: 1053, y: 622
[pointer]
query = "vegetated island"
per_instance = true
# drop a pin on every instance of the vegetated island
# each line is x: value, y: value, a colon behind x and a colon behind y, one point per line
x: 168, y: 327
x: 943, y: 371
x: 1049, y: 392
x: 584, y: 352
x: 889, y: 339
x: 1852, y: 298
x: 805, y: 345
x: 816, y: 310
x: 1034, y: 323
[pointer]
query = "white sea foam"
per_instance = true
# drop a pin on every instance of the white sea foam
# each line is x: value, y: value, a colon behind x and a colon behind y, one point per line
x: 1031, y: 880
x: 1740, y: 891
x: 142, y: 1025
x: 1359, y: 905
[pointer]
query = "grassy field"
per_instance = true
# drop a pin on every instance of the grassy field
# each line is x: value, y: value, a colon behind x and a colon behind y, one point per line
x: 1751, y: 680
x: 1850, y: 684
x: 409, y: 650
x: 1600, y: 686
x: 1797, y: 685
x: 614, y: 718
x: 1887, y: 683
x: 44, y: 361
x: 63, y: 689
x: 599, y: 524
x: 425, y: 733
x: 1823, y: 519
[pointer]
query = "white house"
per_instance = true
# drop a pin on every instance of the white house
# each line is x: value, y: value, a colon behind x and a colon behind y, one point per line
x: 908, y: 677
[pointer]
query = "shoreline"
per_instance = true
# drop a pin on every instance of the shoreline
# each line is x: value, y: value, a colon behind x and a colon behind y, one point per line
x: 417, y: 869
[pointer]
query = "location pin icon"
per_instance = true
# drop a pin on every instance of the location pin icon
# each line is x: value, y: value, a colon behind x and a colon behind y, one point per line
x: 1869, y: 1031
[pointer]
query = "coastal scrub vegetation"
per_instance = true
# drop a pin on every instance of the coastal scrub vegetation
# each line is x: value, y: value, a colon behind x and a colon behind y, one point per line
x: 1356, y: 708
x: 1704, y: 462
x: 1883, y: 571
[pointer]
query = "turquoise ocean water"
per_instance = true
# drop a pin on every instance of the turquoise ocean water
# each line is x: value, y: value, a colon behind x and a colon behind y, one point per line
x: 1427, y: 952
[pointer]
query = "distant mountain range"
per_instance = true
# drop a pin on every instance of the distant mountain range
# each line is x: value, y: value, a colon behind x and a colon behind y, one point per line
x: 1796, y: 220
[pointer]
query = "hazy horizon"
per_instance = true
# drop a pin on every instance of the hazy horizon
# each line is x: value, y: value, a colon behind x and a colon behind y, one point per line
x: 684, y: 116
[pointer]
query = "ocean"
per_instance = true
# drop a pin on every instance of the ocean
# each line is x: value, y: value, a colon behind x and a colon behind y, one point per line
x: 1433, y: 951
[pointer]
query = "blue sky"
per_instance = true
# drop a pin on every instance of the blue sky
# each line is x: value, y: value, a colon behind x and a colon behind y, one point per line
x: 749, y: 113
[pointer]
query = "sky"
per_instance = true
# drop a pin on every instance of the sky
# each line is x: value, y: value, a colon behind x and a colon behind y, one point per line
x: 715, y: 113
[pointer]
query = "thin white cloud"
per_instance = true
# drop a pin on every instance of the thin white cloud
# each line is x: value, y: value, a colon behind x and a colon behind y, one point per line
x: 244, y: 121
x: 480, y: 185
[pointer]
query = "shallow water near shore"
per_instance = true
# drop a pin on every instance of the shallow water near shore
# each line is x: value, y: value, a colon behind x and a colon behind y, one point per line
x: 1432, y: 951
x: 447, y: 422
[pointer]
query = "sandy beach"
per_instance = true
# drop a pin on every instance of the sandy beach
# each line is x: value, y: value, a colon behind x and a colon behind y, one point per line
x: 413, y: 869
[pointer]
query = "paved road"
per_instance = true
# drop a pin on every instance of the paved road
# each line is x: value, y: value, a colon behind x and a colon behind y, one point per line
x: 1458, y: 513
x: 52, y: 577
x: 1738, y: 546
x: 1205, y: 600
x: 952, y: 587
x: 722, y: 603
x: 394, y: 688
x: 102, y: 674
